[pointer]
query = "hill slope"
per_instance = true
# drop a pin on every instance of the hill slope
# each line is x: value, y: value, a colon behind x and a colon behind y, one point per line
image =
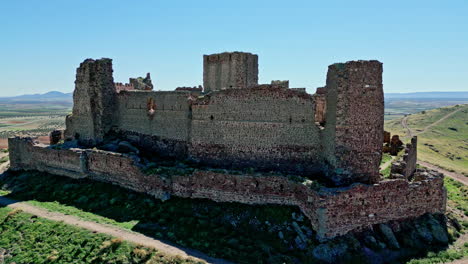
x: 442, y: 135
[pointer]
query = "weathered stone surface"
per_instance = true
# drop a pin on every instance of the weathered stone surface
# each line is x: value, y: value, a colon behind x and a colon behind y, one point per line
x: 94, y: 102
x: 386, y: 137
x: 329, y: 253
x: 142, y: 83
x: 55, y: 136
x: 389, y: 236
x: 406, y: 166
x: 126, y: 147
x: 229, y: 70
x: 395, y: 145
x: 354, y: 122
x: 331, y: 211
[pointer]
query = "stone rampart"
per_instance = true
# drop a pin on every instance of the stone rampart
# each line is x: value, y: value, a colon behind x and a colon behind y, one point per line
x: 332, y: 211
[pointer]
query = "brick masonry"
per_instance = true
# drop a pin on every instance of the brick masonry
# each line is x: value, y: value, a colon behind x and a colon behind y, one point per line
x: 332, y: 211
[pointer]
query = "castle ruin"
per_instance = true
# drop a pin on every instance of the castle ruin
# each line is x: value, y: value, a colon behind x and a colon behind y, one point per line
x: 334, y: 136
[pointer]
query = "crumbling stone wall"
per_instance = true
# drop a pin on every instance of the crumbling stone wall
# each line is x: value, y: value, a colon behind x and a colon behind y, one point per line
x: 354, y: 121
x: 229, y: 70
x: 337, y: 131
x: 94, y: 102
x: 332, y: 211
x: 320, y: 106
x: 406, y: 166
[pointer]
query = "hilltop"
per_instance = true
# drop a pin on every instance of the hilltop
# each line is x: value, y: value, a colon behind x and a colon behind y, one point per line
x: 442, y: 135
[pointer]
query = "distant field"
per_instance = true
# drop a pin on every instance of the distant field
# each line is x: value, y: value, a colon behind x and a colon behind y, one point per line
x: 445, y: 143
x: 31, y: 119
x: 399, y: 107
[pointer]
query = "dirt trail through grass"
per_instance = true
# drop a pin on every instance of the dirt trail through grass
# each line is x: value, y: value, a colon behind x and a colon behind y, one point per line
x: 409, y: 132
x: 133, y: 237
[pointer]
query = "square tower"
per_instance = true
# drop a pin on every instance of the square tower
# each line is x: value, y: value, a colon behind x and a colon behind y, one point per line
x: 229, y: 70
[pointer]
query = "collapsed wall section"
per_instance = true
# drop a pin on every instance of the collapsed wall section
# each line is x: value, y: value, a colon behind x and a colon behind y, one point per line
x: 229, y: 70
x: 94, y: 101
x: 262, y: 127
x: 332, y: 211
x: 353, y: 137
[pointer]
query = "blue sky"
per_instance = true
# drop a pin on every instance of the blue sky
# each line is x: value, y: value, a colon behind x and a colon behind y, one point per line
x: 423, y: 44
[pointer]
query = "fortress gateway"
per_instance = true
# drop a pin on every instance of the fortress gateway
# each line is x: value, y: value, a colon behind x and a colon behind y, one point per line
x: 334, y: 136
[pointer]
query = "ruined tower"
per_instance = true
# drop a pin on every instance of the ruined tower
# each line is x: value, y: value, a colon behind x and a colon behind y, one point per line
x: 229, y: 70
x: 94, y: 102
x: 352, y: 138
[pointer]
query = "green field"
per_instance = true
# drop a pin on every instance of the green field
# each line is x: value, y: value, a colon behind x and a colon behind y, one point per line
x: 25, y: 238
x: 398, y: 107
x: 444, y: 144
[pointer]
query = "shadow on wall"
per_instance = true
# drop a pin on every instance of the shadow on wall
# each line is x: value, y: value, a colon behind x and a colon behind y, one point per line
x: 242, y: 233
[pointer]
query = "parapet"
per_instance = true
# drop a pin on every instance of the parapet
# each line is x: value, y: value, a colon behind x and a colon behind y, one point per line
x: 229, y: 70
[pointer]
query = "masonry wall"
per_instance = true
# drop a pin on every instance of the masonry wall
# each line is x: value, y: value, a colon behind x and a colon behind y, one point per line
x: 166, y: 131
x: 263, y: 127
x: 354, y: 121
x: 229, y: 70
x: 94, y: 100
x: 332, y: 211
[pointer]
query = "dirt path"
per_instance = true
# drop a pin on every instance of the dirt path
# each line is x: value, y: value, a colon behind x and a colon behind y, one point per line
x: 404, y: 124
x: 111, y: 230
x: 409, y: 132
x: 456, y: 176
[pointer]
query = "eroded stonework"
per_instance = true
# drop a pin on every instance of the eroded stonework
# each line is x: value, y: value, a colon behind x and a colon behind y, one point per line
x: 286, y: 139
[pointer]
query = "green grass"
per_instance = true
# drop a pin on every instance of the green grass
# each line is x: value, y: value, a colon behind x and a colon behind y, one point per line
x: 70, y: 210
x: 4, y: 159
x: 237, y: 232
x: 445, y: 256
x: 223, y: 230
x: 29, y: 239
x: 444, y: 144
x: 385, y: 158
x: 457, y: 194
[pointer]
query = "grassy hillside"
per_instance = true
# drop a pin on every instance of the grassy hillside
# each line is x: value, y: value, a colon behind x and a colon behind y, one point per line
x: 237, y: 232
x: 443, y: 143
x: 25, y: 238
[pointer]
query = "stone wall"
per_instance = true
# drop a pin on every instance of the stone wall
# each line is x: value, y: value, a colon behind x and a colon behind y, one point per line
x: 332, y: 211
x: 263, y: 127
x: 337, y: 131
x: 229, y: 70
x: 406, y: 165
x: 94, y: 101
x: 165, y: 131
x: 354, y: 121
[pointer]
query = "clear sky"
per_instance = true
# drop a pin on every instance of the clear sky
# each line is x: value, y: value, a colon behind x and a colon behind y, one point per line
x: 423, y: 44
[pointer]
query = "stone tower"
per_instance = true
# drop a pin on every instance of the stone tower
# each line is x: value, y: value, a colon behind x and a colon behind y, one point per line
x: 94, y: 102
x: 229, y: 70
x: 352, y: 138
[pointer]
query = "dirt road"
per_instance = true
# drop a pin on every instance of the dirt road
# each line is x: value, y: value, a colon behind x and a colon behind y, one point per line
x: 409, y: 132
